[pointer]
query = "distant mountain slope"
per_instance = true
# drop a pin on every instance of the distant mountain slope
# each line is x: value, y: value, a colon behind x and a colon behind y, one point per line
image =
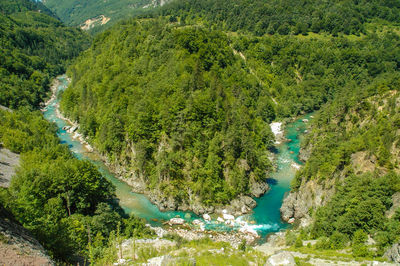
x: 35, y: 47
x: 176, y: 108
x: 286, y: 16
x: 8, y: 7
x: 76, y: 12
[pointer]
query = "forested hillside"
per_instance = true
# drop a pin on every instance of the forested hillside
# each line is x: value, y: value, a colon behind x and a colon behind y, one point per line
x: 10, y: 7
x: 34, y: 49
x: 62, y: 200
x: 176, y: 107
x: 75, y: 12
x: 301, y: 73
x: 179, y: 101
x: 353, y: 166
x: 284, y: 16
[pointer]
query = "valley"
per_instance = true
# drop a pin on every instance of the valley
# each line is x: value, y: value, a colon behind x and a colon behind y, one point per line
x: 200, y: 132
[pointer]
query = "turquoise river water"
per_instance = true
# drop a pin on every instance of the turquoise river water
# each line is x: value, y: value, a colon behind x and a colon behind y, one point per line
x: 264, y: 219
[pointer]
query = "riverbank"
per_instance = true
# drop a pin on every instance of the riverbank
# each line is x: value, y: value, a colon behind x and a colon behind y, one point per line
x: 255, y: 217
x: 243, y: 204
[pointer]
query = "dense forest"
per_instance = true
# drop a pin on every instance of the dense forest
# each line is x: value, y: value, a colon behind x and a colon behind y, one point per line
x: 182, y: 97
x: 67, y: 205
x: 284, y: 16
x: 356, y: 141
x: 34, y: 49
x: 302, y: 73
x: 75, y: 12
x: 62, y: 200
x: 177, y: 105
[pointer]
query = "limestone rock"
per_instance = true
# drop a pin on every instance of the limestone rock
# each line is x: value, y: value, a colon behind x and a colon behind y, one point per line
x: 206, y: 217
x: 393, y: 253
x: 310, y: 195
x: 177, y: 221
x: 282, y: 258
x: 159, y: 261
x: 395, y: 206
x: 258, y: 189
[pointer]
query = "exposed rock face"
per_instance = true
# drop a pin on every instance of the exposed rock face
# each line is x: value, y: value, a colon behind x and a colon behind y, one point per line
x: 310, y: 195
x: 304, y: 154
x: 258, y: 189
x: 284, y: 258
x: 241, y: 205
x: 395, y: 206
x: 362, y: 162
x: 393, y: 253
x: 8, y: 162
x: 17, y: 246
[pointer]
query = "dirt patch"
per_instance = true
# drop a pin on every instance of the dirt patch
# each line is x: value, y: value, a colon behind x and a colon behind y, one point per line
x: 362, y: 162
x: 92, y: 22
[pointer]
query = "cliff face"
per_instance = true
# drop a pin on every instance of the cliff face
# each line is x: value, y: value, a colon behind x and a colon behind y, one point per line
x: 17, y: 246
x: 127, y: 170
x: 362, y: 139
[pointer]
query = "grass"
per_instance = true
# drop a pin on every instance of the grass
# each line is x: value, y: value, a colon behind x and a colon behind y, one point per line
x: 333, y: 255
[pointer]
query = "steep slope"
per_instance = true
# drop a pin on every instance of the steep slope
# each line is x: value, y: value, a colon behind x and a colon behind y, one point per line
x: 16, y: 6
x: 17, y: 246
x: 174, y: 110
x: 85, y: 14
x: 35, y: 47
x: 285, y: 16
x: 352, y: 168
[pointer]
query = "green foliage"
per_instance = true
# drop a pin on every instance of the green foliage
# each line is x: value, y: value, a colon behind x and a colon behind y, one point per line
x: 298, y: 243
x: 333, y: 67
x: 74, y: 12
x: 242, y: 245
x: 34, y: 48
x: 358, y: 208
x: 285, y: 17
x: 135, y: 227
x: 9, y: 7
x: 290, y: 238
x: 63, y: 201
x: 175, y: 105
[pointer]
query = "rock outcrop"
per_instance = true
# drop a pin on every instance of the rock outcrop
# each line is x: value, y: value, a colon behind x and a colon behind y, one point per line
x: 395, y: 205
x: 310, y: 195
x: 284, y: 258
x: 8, y: 162
x: 393, y: 253
x: 17, y: 246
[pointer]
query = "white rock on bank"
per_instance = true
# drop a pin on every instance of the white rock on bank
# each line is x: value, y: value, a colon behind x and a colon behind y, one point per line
x: 281, y: 258
x: 159, y: 261
x: 248, y: 230
x: 220, y: 219
x: 177, y: 221
x: 227, y: 216
x: 296, y: 166
x: 206, y: 217
x: 276, y: 128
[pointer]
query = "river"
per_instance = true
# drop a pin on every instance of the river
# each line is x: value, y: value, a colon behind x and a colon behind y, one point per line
x: 264, y: 219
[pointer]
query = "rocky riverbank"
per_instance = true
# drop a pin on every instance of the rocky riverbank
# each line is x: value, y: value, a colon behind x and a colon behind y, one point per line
x: 225, y: 213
